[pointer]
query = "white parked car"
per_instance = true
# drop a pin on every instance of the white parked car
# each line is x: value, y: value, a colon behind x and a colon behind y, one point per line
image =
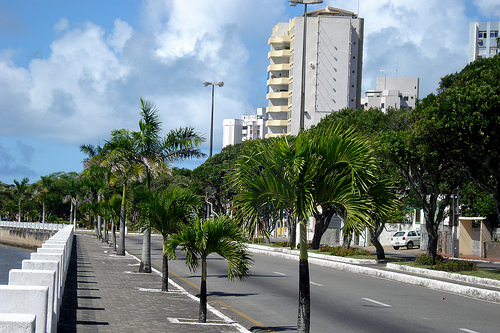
x: 408, y: 238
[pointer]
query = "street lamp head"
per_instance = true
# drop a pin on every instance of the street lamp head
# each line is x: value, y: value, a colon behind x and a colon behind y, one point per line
x: 205, y: 83
x: 305, y: 2
x: 220, y: 84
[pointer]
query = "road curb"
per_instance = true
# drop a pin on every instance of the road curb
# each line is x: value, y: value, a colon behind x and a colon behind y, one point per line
x: 474, y: 292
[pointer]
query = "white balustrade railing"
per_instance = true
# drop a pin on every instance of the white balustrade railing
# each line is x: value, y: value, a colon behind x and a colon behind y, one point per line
x: 32, y: 225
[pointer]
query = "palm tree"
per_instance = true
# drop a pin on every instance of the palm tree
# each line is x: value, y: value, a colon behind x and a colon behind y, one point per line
x: 154, y: 152
x: 41, y: 190
x: 201, y: 238
x: 121, y: 158
x: 20, y: 191
x: 331, y: 167
x: 95, y: 172
x: 167, y: 212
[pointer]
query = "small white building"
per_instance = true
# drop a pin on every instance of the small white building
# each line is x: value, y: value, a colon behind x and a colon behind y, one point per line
x: 249, y: 127
x: 392, y: 92
x: 483, y: 40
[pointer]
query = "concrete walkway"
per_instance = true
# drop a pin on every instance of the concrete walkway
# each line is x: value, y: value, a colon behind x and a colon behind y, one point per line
x: 104, y: 293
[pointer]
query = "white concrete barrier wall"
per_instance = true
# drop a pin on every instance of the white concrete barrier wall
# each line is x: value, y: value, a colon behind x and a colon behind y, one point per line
x: 15, y: 322
x: 31, y: 301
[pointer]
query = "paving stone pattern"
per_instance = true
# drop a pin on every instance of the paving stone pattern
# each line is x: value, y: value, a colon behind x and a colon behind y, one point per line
x: 105, y: 293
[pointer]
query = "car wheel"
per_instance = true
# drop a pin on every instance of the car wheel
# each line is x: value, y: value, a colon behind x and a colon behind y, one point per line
x: 409, y: 246
x: 396, y: 247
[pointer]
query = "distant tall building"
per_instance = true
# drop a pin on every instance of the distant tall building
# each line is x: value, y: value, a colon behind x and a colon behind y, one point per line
x: 333, y: 68
x: 249, y: 127
x: 483, y: 40
x: 392, y: 92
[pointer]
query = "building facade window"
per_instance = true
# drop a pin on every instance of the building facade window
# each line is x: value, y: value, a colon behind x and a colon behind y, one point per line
x: 483, y: 34
x: 493, y: 50
x: 493, y: 33
x: 481, y: 51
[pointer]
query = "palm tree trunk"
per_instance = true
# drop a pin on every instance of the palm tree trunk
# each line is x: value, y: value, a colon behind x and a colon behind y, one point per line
x: 203, y: 292
x: 164, y: 267
x: 113, y: 234
x: 43, y: 211
x: 19, y: 216
x: 145, y: 266
x: 304, y: 320
x: 99, y: 219
x: 121, y: 245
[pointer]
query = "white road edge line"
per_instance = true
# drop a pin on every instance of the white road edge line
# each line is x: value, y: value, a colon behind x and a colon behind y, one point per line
x: 467, y: 330
x: 379, y: 303
x: 279, y: 273
x: 316, y: 284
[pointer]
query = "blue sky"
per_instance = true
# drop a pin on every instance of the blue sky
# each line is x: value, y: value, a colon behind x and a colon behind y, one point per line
x: 72, y: 71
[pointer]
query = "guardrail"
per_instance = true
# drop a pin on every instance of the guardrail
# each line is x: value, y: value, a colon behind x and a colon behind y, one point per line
x: 32, y: 225
x: 32, y: 299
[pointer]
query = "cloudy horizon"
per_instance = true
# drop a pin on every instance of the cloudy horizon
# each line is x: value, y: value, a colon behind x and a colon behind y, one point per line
x: 71, y: 76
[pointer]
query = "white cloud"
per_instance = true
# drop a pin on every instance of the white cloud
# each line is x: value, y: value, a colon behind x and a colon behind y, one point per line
x: 61, y: 26
x: 489, y: 8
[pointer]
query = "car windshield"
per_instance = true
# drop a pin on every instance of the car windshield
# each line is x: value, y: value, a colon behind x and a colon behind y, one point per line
x: 399, y: 234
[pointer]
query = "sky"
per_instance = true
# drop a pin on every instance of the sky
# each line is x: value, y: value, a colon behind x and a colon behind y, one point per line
x: 71, y: 71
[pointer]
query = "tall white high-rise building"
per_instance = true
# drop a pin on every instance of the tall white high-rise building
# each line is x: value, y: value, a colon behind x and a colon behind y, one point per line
x: 334, y: 51
x: 483, y: 40
x: 249, y: 127
x: 392, y: 92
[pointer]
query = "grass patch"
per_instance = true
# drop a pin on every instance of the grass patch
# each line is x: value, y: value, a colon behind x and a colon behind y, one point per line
x: 486, y: 273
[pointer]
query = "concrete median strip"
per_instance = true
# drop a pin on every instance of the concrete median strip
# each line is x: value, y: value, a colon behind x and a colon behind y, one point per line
x: 484, y: 294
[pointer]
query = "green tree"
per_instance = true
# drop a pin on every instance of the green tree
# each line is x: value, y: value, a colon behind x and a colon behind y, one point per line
x: 155, y: 152
x: 21, y: 192
x: 167, y: 211
x: 285, y: 175
x: 215, y: 235
x: 42, y: 189
x: 464, y: 123
x: 429, y: 174
x: 95, y: 174
x: 121, y: 158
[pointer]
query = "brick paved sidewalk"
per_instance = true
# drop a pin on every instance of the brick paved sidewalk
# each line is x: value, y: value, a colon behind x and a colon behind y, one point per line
x: 104, y: 293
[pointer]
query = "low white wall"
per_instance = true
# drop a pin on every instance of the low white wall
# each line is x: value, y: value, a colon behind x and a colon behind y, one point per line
x: 36, y: 289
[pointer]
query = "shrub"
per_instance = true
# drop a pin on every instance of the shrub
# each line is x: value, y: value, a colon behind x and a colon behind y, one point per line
x: 425, y: 259
x: 446, y: 265
x: 338, y: 251
x: 456, y: 266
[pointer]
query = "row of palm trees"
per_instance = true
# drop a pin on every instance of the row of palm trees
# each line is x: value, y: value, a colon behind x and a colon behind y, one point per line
x: 328, y: 169
x: 321, y: 170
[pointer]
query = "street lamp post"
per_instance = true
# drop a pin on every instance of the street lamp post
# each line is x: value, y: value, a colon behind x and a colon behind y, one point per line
x: 303, y: 67
x: 205, y: 84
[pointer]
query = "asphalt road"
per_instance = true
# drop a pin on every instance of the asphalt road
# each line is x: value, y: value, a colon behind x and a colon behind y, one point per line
x: 340, y: 302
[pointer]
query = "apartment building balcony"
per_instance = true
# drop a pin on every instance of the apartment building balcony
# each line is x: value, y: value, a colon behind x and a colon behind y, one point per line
x: 280, y: 94
x: 279, y: 53
x: 278, y: 81
x: 285, y: 39
x: 279, y: 123
x: 279, y: 108
x: 278, y: 67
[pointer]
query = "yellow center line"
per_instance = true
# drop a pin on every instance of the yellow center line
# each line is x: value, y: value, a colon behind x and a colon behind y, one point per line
x: 258, y: 323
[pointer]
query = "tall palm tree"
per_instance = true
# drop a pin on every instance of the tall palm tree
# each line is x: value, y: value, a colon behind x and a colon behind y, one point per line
x: 21, y: 191
x: 201, y: 238
x: 121, y: 158
x: 332, y: 167
x: 41, y: 189
x: 167, y: 211
x: 155, y: 152
x: 95, y: 172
